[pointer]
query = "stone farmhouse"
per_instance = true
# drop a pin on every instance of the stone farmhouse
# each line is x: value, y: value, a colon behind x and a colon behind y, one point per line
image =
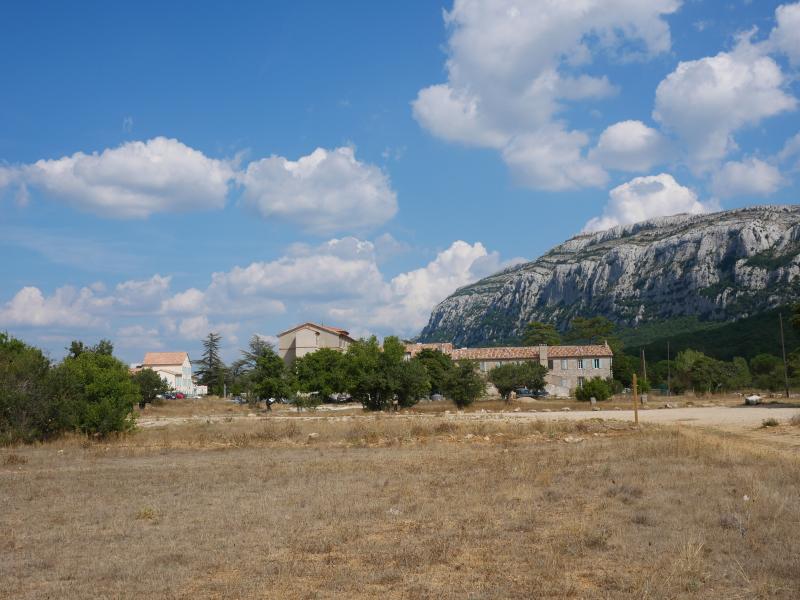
x: 568, y: 366
x: 309, y: 337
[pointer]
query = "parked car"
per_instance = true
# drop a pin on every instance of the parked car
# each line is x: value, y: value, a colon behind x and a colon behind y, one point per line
x: 169, y: 396
x: 524, y: 393
x: 339, y: 398
x: 437, y: 397
x: 238, y: 400
x: 541, y: 394
x: 180, y: 396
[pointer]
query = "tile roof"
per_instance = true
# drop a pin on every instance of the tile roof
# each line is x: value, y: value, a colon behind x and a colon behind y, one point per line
x: 336, y: 330
x: 514, y: 352
x: 164, y: 358
x: 496, y: 353
x: 414, y: 349
x: 570, y: 351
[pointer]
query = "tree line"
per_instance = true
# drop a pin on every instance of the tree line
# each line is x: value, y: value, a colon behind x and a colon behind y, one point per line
x: 89, y: 391
x: 380, y: 377
x: 689, y: 370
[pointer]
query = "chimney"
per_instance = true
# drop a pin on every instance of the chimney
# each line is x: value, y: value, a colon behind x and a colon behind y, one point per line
x: 543, y: 355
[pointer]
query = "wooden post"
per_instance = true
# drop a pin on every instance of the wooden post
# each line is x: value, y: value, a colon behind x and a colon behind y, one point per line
x: 635, y: 402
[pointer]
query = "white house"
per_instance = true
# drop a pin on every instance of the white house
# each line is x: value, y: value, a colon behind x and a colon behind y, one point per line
x: 174, y: 367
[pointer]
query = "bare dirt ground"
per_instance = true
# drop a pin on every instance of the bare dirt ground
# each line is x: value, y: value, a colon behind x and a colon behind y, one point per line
x: 724, y: 413
x: 487, y: 503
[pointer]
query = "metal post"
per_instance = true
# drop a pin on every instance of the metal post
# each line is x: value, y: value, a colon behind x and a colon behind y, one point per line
x: 669, y: 387
x: 635, y: 402
x: 783, y: 350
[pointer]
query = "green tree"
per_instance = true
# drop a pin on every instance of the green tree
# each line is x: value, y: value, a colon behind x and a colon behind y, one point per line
x: 369, y: 375
x: 465, y: 385
x: 537, y: 333
x: 28, y: 411
x: 694, y: 370
x: 150, y: 385
x: 592, y: 330
x: 323, y: 371
x: 438, y: 365
x: 510, y: 376
x: 767, y: 372
x: 596, y: 388
x: 104, y: 346
x: 504, y: 378
x: 413, y: 383
x: 96, y: 392
x: 212, y: 371
x: 76, y: 347
x: 740, y: 377
x: 240, y: 373
x: 623, y: 366
x: 271, y: 378
x: 795, y: 319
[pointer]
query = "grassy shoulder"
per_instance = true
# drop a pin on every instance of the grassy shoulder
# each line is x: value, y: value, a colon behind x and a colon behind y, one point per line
x: 399, y: 507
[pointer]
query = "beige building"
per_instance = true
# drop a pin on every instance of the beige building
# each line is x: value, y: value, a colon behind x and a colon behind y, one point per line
x: 310, y: 337
x: 567, y: 366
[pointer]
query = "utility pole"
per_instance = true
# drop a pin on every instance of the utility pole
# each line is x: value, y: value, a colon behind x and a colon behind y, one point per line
x: 644, y: 366
x: 783, y: 350
x: 669, y: 389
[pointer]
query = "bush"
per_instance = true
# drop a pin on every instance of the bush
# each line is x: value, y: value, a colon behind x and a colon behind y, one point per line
x: 89, y: 391
x: 96, y: 392
x: 27, y: 408
x: 511, y: 376
x: 306, y: 401
x: 596, y: 388
x: 465, y: 385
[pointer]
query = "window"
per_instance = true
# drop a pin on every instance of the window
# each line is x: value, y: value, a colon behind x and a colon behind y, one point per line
x: 564, y: 364
x: 580, y: 381
x: 550, y: 364
x: 595, y: 363
x: 580, y: 363
x: 564, y: 382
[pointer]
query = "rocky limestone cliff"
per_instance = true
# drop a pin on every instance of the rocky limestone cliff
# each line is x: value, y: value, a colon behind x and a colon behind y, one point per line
x: 721, y: 266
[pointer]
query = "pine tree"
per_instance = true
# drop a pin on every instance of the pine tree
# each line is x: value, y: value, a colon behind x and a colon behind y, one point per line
x: 212, y: 370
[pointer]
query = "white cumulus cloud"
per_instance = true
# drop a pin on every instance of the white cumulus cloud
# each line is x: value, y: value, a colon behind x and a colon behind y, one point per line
x: 66, y: 307
x: 643, y: 198
x: 704, y: 102
x: 630, y: 146
x: 513, y: 66
x: 749, y: 177
x: 325, y: 192
x: 784, y: 37
x: 134, y: 180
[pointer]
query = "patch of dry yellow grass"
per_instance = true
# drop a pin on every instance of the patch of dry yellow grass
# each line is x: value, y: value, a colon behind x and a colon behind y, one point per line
x: 400, y: 508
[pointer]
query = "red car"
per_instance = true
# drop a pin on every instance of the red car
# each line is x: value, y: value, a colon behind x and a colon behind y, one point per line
x: 179, y: 396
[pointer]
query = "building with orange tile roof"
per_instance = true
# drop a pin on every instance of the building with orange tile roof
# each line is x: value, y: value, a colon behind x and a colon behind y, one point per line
x: 568, y: 367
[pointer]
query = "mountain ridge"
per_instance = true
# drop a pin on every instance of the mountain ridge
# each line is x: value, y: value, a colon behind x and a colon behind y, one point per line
x: 716, y: 266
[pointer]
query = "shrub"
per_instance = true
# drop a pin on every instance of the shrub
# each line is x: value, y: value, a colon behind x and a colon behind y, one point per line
x: 597, y: 388
x: 306, y: 401
x: 27, y: 408
x: 465, y: 385
x: 96, y: 393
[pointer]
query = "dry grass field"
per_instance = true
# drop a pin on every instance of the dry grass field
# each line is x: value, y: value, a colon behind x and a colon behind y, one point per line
x: 388, y: 507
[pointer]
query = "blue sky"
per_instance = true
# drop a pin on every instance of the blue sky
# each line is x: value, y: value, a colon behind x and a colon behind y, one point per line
x: 171, y: 168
